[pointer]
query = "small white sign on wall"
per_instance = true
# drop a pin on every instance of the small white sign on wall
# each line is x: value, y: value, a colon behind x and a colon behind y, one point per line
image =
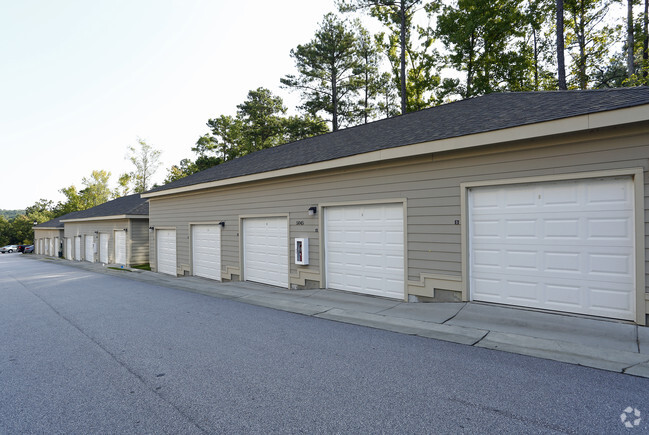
x: 302, y: 251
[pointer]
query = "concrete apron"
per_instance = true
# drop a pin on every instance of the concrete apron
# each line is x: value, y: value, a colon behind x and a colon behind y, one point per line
x: 598, y: 343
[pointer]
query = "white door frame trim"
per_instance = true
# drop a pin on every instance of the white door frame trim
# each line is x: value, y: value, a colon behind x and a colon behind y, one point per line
x: 242, y: 217
x: 323, y: 230
x: 637, y: 175
x: 191, y: 245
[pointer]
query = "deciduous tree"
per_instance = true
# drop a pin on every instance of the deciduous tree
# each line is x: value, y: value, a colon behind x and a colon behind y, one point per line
x: 146, y: 160
x: 481, y: 36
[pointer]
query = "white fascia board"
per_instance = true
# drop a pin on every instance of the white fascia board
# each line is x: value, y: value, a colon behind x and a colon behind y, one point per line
x: 533, y: 131
x: 106, y: 218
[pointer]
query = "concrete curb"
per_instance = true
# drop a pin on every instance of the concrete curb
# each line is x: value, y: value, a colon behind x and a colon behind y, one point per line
x: 336, y: 307
x: 573, y: 353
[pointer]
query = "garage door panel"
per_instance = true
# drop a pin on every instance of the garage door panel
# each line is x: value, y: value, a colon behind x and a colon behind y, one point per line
x: 89, y: 254
x: 265, y: 248
x: 609, y: 264
x: 610, y: 229
x: 103, y: 247
x: 605, y: 193
x: 570, y: 249
x: 166, y: 251
x: 364, y: 249
x: 77, y: 248
x: 523, y: 291
x: 206, y: 254
x: 120, y: 247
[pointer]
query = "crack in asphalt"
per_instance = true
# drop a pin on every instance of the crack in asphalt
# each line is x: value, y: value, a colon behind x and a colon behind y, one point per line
x: 112, y: 356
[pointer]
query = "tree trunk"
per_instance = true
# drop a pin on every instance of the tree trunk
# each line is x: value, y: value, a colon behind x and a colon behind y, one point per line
x: 334, y: 99
x: 645, y: 45
x: 404, y: 97
x: 536, y: 61
x: 629, y: 39
x: 469, y: 67
x: 581, y: 39
x: 367, y: 95
x: 561, y: 63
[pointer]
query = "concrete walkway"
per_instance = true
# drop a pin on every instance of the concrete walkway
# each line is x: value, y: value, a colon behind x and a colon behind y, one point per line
x: 603, y: 344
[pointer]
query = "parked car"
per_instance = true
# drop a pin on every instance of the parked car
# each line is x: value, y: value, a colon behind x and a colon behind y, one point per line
x: 29, y: 249
x: 9, y: 248
x: 21, y: 248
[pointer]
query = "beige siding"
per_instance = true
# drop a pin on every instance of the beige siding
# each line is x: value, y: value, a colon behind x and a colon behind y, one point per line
x: 136, y: 237
x: 429, y: 184
x: 138, y: 241
x: 45, y: 234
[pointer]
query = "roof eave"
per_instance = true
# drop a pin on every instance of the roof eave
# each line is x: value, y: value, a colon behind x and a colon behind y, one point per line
x: 573, y: 124
x: 105, y: 218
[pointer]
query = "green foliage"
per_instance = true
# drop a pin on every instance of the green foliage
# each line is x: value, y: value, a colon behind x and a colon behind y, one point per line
x: 146, y: 160
x: 327, y: 69
x: 22, y: 232
x: 482, y: 36
x: 397, y: 16
x: 184, y: 168
x: 123, y: 185
x: 5, y: 231
x: 261, y: 122
x: 588, y: 38
x: 10, y: 214
x: 95, y: 192
x: 96, y: 189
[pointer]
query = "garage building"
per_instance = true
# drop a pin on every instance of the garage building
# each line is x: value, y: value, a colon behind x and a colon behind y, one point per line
x: 116, y: 232
x: 529, y: 199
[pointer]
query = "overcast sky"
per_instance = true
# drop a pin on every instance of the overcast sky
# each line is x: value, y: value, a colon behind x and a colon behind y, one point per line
x: 80, y: 80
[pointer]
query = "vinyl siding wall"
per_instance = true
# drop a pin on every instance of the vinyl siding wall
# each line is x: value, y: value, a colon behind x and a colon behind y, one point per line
x: 430, y: 185
x: 136, y: 244
x: 47, y: 234
x: 138, y: 241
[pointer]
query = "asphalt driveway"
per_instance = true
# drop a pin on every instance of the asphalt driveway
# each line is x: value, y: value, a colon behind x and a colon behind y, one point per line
x: 82, y: 352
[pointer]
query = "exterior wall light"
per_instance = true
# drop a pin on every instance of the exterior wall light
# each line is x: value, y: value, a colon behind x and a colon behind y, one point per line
x: 312, y: 210
x: 151, y: 228
x: 222, y: 224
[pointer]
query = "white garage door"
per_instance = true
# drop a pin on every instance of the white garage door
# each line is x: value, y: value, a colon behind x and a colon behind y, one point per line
x: 77, y: 248
x: 166, y: 251
x: 265, y: 250
x: 206, y: 251
x: 103, y: 248
x: 364, y: 249
x: 89, y: 255
x: 68, y: 248
x: 120, y: 247
x: 57, y: 247
x: 565, y: 246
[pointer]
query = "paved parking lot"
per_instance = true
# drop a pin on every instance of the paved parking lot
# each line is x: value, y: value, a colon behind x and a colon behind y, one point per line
x: 83, y: 352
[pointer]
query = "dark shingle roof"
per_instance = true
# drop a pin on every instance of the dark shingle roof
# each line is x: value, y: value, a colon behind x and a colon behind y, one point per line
x: 52, y: 223
x: 126, y: 205
x: 477, y: 115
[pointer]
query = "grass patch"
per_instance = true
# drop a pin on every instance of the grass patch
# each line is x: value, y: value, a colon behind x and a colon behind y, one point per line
x: 118, y: 268
x: 145, y: 266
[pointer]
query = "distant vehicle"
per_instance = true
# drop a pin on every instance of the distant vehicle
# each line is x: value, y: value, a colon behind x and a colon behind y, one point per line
x: 28, y: 249
x: 21, y: 248
x: 9, y: 249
